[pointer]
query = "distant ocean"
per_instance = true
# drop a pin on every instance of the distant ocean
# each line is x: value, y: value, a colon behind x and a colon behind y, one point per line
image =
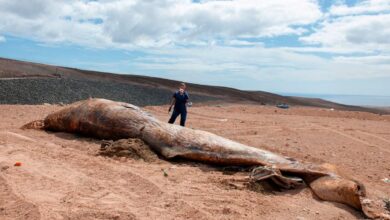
x: 360, y: 100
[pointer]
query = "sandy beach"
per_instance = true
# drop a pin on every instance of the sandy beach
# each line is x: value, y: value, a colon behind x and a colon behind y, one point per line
x: 63, y: 177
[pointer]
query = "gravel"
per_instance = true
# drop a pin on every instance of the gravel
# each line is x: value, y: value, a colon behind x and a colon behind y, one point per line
x: 54, y: 90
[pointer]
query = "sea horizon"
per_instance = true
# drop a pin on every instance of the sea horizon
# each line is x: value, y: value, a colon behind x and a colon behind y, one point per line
x: 356, y: 100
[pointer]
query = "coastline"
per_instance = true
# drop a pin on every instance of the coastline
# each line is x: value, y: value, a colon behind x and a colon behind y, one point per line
x: 370, y: 101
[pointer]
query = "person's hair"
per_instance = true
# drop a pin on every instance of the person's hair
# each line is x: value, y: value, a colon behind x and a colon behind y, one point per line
x: 182, y: 84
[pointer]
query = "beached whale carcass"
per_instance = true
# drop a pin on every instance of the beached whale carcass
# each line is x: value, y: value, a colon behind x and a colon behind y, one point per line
x: 107, y: 119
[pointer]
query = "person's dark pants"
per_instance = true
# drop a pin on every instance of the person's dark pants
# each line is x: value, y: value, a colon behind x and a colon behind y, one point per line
x: 183, y: 117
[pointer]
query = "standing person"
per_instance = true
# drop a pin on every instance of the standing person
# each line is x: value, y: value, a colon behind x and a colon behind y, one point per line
x: 179, y: 101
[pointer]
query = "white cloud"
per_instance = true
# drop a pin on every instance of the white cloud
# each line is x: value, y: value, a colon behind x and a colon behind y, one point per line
x: 2, y: 39
x: 154, y: 23
x: 257, y: 64
x: 363, y: 7
x: 383, y: 60
x: 364, y: 33
x: 243, y: 43
x: 363, y: 27
x: 214, y: 39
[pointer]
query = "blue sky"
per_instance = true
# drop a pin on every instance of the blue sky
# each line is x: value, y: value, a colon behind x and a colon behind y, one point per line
x: 287, y: 46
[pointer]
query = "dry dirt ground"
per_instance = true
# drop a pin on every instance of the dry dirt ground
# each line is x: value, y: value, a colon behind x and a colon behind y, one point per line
x: 62, y: 176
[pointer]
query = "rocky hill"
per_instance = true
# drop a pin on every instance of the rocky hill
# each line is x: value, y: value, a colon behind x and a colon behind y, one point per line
x: 32, y: 83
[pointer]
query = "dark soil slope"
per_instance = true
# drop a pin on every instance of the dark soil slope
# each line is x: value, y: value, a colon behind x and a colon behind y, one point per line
x: 31, y: 83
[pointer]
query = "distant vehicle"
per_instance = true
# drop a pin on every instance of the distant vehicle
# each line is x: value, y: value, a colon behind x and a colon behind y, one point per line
x: 284, y: 106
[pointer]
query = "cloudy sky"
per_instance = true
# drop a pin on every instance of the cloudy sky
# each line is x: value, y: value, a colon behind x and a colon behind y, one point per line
x: 288, y: 46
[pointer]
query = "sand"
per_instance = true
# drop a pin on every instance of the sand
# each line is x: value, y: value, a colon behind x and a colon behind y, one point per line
x: 63, y: 176
x: 132, y: 148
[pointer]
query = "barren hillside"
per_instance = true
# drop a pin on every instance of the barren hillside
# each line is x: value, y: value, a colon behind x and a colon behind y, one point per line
x: 31, y: 83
